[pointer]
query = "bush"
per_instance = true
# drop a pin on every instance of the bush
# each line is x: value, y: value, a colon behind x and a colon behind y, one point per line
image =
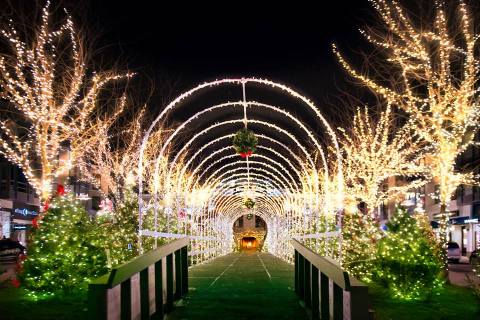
x: 408, y: 259
x: 65, y: 253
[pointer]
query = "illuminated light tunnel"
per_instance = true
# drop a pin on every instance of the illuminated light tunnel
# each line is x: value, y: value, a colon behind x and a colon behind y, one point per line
x: 197, y: 183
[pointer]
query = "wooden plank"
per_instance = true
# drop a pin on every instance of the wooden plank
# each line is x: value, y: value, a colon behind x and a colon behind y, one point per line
x: 135, y: 297
x: 113, y: 303
x: 144, y: 295
x: 169, y: 306
x: 159, y: 312
x: 178, y: 274
x: 337, y: 302
x: 307, y: 293
x: 315, y: 294
x: 296, y: 271
x: 324, y: 297
x: 126, y: 300
x: 301, y: 276
x: 184, y: 270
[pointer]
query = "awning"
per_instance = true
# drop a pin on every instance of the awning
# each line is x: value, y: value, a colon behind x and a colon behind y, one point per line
x: 463, y: 220
x: 456, y: 221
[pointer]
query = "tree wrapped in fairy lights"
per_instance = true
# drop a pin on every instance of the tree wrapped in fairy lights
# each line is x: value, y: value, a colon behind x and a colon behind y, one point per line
x: 114, y: 157
x: 373, y: 152
x: 432, y: 73
x: 53, y: 99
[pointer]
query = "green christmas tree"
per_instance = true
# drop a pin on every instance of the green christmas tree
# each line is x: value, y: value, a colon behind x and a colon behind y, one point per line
x: 359, y: 236
x: 65, y: 253
x: 119, y: 232
x: 409, y: 259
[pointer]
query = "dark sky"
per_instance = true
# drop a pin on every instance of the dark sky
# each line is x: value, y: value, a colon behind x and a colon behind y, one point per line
x: 190, y: 43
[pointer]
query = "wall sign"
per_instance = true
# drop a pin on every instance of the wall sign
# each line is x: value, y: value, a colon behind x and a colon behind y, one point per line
x: 25, y: 212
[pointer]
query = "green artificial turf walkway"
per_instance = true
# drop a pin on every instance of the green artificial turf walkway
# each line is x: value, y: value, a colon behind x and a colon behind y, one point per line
x: 241, y: 286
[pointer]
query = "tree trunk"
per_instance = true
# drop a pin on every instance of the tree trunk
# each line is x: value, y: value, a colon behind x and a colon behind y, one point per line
x: 444, y: 236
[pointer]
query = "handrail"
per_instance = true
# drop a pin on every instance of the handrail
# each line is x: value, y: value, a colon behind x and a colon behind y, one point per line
x: 125, y: 271
x: 330, y: 234
x: 144, y: 287
x: 328, y: 266
x: 326, y: 288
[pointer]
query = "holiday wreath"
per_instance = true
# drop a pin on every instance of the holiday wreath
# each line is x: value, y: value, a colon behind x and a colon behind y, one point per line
x: 245, y: 142
x: 249, y: 203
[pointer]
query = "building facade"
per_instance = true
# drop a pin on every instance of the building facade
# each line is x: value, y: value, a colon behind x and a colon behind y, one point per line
x: 19, y: 204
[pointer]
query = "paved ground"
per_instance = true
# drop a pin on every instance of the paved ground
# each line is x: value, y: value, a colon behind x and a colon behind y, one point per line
x: 241, y: 286
x: 460, y: 273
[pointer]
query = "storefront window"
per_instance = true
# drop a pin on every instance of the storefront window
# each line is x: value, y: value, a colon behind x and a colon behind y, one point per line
x: 464, y: 239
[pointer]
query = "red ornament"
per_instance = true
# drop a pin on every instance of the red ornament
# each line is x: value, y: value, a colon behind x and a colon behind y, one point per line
x: 35, y: 223
x: 46, y: 205
x: 182, y: 214
x: 15, y: 282
x: 60, y: 190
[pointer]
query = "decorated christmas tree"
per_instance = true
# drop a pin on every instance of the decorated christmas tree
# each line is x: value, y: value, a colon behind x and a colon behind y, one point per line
x: 65, y: 252
x: 408, y: 261
x: 359, y: 236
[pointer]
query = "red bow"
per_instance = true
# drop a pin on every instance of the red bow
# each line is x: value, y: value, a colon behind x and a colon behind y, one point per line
x: 246, y: 154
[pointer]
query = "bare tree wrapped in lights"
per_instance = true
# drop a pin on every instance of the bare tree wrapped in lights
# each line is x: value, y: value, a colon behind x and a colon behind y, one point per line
x: 375, y: 151
x: 114, y: 157
x: 434, y: 79
x: 46, y: 80
x: 372, y: 153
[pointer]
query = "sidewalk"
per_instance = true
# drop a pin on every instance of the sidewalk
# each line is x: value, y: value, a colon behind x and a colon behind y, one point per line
x: 7, y: 272
x: 457, y: 274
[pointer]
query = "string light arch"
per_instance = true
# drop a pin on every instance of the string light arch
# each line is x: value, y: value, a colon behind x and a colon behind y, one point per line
x: 209, y: 190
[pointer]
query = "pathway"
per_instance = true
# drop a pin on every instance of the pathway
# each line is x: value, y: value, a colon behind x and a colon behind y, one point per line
x: 241, y: 286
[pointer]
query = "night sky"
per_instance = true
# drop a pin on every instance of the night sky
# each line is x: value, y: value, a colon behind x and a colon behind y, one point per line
x: 186, y: 44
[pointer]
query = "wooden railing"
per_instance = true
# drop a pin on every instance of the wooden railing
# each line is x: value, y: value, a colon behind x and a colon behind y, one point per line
x: 143, y: 288
x: 326, y: 289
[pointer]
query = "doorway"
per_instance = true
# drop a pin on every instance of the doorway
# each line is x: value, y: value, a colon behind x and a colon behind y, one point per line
x: 249, y: 243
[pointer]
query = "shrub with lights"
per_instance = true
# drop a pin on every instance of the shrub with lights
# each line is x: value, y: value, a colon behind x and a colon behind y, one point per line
x: 245, y: 142
x: 66, y: 252
x: 409, y: 259
x: 359, y: 236
x: 119, y: 231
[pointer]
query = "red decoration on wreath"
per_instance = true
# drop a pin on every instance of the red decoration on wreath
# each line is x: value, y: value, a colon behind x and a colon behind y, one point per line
x: 246, y: 154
